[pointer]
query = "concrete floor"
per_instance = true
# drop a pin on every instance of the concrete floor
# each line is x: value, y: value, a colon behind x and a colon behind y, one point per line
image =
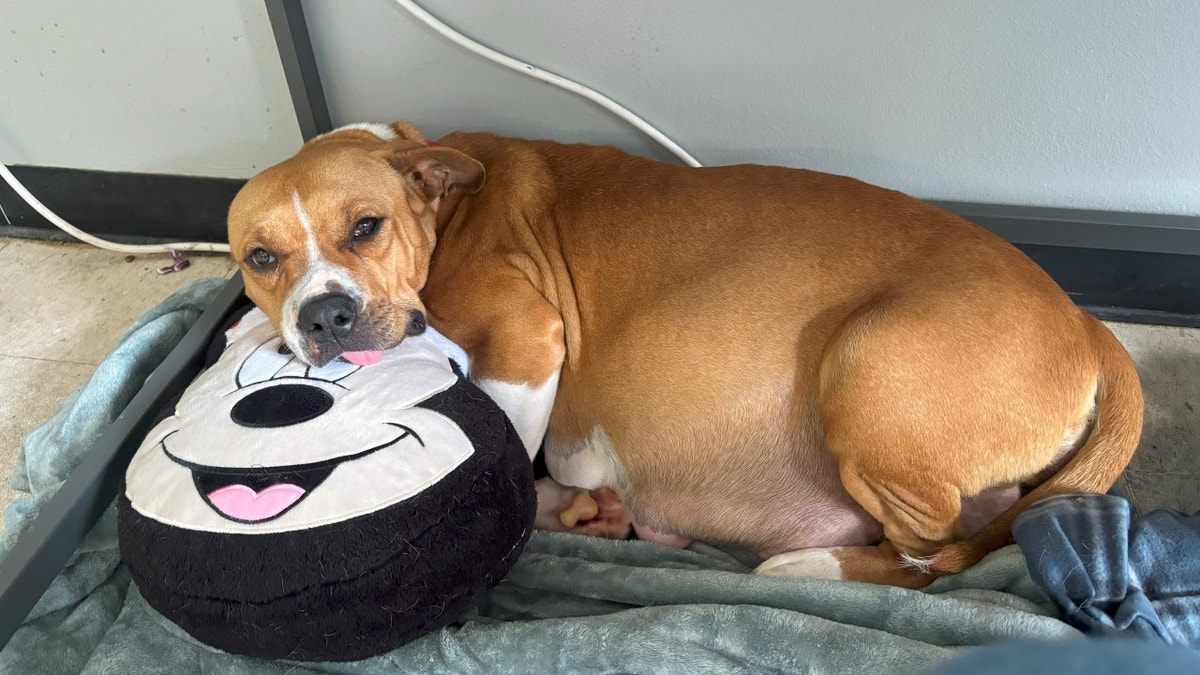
x: 65, y: 305
x: 1165, y: 472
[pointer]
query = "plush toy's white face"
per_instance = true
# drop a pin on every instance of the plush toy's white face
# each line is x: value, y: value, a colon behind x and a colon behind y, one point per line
x: 261, y: 443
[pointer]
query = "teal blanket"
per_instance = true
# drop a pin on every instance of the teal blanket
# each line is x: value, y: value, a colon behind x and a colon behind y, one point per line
x: 571, y: 604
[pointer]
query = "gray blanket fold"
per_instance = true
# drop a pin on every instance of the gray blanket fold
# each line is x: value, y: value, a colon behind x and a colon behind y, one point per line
x: 571, y: 604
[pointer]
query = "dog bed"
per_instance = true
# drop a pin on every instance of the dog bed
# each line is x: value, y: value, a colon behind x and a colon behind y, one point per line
x: 570, y: 604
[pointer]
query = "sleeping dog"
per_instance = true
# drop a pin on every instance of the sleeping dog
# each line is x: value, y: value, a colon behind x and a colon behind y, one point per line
x: 848, y: 381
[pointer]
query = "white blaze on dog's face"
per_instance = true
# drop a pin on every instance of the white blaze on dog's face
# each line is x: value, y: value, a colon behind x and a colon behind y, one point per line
x: 334, y: 243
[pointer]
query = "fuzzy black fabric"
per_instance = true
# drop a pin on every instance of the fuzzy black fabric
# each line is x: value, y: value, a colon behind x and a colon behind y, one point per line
x: 357, y: 588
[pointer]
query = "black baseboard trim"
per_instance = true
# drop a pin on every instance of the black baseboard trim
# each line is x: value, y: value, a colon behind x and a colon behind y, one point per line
x: 121, y: 206
x: 1078, y: 228
x: 1146, y: 317
x: 1132, y: 286
x: 1139, y: 268
x: 54, y: 234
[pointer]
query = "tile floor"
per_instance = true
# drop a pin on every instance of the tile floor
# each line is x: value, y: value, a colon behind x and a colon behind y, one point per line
x: 63, y: 307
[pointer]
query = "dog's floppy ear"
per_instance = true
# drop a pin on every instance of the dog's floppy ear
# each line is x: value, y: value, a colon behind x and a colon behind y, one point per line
x: 407, y: 131
x: 438, y: 171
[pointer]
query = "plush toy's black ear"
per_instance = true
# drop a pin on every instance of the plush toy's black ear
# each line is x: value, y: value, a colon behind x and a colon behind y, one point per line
x: 217, y: 346
x: 457, y: 370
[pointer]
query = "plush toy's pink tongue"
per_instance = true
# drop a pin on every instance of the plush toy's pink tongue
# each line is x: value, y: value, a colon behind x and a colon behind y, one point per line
x: 363, y: 358
x: 243, y: 503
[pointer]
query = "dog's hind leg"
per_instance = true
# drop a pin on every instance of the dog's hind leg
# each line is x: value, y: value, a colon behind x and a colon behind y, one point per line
x: 882, y: 564
x: 918, y: 424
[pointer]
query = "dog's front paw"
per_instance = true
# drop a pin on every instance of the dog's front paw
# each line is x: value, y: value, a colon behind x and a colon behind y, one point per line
x: 595, y: 513
x: 813, y: 563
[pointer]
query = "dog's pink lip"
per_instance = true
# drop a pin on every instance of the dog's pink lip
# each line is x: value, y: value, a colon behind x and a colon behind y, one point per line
x: 363, y: 358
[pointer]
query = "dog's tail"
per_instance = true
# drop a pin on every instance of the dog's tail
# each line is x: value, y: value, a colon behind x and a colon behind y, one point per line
x: 1094, y: 468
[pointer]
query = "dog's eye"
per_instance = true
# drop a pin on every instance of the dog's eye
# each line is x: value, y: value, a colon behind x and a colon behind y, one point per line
x: 260, y: 258
x: 365, y: 228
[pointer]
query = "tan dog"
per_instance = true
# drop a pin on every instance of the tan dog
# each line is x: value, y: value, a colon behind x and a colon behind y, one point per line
x: 851, y: 382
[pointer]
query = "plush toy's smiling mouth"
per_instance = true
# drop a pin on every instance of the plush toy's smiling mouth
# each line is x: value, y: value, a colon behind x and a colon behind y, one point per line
x: 258, y: 494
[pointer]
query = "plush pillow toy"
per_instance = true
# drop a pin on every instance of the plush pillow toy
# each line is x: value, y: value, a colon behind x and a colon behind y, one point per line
x: 327, y: 513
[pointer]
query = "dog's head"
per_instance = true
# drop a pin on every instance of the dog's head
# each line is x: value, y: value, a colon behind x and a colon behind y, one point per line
x: 334, y: 243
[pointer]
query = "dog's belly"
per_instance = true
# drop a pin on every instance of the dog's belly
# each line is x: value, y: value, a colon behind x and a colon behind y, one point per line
x: 767, y: 487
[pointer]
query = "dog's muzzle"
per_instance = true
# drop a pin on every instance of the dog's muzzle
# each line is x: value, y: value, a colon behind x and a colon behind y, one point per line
x: 333, y: 324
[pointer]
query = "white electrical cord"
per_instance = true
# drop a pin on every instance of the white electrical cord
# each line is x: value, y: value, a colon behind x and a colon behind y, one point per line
x: 96, y: 241
x: 546, y: 76
x: 447, y: 32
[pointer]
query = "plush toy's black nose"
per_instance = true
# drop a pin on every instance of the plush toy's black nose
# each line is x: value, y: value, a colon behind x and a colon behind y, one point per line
x: 329, y: 317
x: 281, y: 405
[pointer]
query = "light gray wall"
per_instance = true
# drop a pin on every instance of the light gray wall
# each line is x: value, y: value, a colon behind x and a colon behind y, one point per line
x: 170, y: 86
x: 1072, y: 103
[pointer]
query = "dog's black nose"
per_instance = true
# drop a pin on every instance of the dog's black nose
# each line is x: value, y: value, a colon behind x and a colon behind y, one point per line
x: 329, y: 317
x: 281, y: 405
x: 416, y: 323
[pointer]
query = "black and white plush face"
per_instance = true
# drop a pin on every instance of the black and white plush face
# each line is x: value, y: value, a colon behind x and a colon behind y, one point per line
x: 262, y: 443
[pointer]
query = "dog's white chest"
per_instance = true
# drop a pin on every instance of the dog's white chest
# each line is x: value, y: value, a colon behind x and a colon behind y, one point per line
x: 589, y: 463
